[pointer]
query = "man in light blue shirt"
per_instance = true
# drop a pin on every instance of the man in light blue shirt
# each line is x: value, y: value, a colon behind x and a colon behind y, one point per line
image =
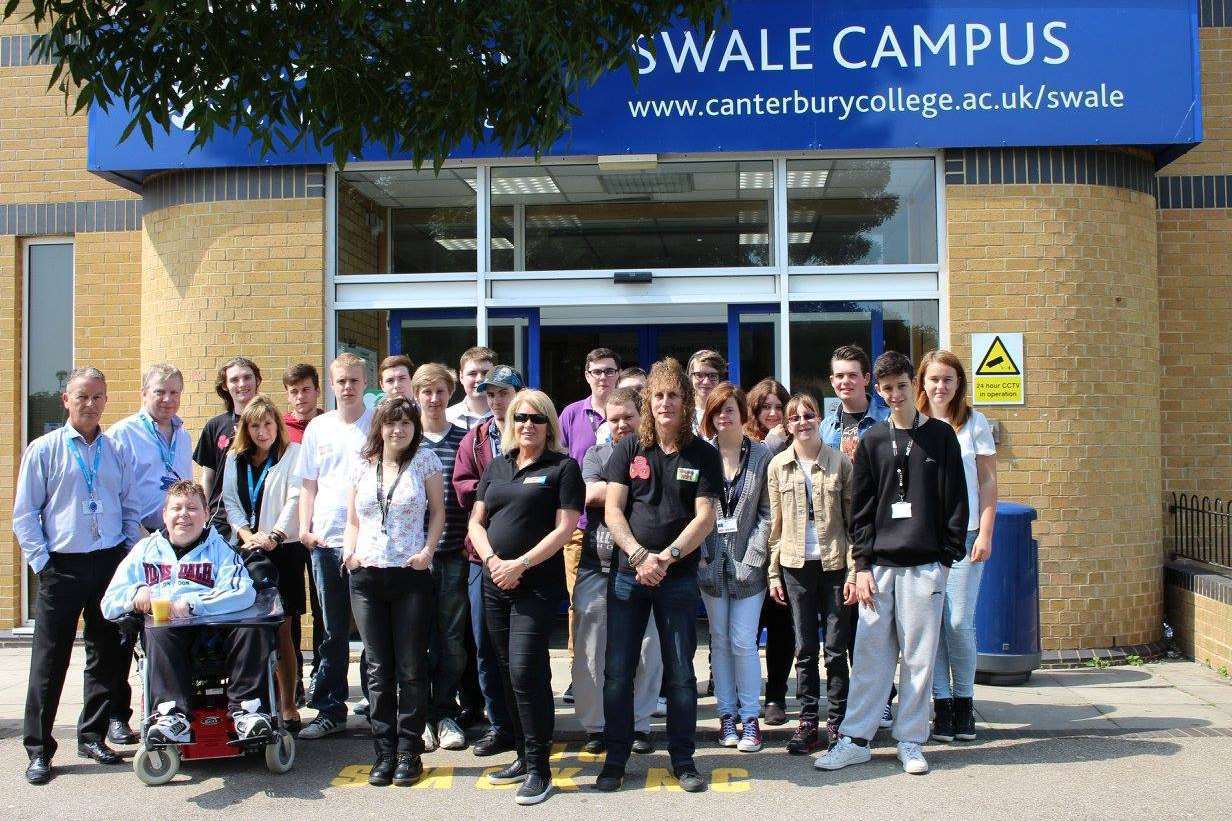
x: 75, y: 519
x: 155, y: 442
x: 159, y: 450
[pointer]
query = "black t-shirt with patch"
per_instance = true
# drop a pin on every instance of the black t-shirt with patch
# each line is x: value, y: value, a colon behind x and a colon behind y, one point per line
x: 663, y: 490
x: 521, y: 506
x: 211, y: 454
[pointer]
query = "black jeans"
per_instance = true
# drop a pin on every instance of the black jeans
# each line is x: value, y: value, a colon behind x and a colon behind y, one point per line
x: 393, y: 609
x: 447, y: 646
x: 780, y: 649
x: 520, y: 623
x: 71, y: 586
x: 169, y: 653
x: 815, y: 596
x: 629, y: 605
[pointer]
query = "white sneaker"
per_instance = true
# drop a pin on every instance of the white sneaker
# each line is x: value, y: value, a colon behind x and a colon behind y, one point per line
x: 450, y: 736
x: 913, y: 759
x: 429, y: 738
x: 170, y: 726
x: 251, y: 725
x: 843, y: 753
x: 660, y: 709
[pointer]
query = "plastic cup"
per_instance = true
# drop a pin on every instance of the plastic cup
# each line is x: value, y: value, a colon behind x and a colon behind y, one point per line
x: 160, y: 609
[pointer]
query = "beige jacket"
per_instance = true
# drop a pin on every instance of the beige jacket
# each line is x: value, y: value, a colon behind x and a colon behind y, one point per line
x: 831, y: 478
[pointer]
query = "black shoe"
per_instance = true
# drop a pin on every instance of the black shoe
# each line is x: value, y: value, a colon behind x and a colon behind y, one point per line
x: 471, y: 719
x: 535, y: 788
x: 943, y: 720
x: 642, y: 745
x: 118, y: 732
x: 301, y: 697
x: 964, y: 719
x: 493, y: 743
x: 805, y: 740
x: 610, y: 779
x: 568, y: 695
x: 691, y: 781
x: 594, y: 744
x: 99, y: 751
x: 513, y: 774
x: 409, y: 769
x: 382, y: 774
x: 39, y: 770
x: 775, y: 714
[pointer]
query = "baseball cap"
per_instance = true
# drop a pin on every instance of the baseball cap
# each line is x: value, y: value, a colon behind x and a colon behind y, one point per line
x: 502, y: 376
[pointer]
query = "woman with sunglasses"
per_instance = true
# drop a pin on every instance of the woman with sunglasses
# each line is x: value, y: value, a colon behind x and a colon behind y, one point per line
x: 526, y: 508
x: 810, y: 565
x: 388, y: 552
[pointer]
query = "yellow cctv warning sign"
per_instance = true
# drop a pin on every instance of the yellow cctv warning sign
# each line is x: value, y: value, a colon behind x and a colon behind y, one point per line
x: 997, y: 361
x: 997, y: 368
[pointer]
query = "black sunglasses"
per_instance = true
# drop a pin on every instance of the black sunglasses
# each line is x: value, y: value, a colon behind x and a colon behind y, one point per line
x: 537, y: 418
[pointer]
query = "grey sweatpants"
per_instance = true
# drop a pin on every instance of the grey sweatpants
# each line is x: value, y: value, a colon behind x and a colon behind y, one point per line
x: 906, y: 620
x: 589, y: 656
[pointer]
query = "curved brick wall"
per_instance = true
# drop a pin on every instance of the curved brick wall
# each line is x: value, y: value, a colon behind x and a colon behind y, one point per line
x: 1074, y: 268
x: 233, y: 277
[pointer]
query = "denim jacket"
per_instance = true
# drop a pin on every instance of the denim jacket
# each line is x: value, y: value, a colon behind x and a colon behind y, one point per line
x: 832, y: 425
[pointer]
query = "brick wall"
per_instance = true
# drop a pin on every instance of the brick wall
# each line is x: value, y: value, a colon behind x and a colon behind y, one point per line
x: 10, y: 428
x: 1073, y: 267
x: 221, y: 279
x: 107, y: 274
x: 360, y: 252
x: 1199, y: 607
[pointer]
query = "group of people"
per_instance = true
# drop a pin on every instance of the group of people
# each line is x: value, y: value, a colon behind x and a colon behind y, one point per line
x: 452, y: 534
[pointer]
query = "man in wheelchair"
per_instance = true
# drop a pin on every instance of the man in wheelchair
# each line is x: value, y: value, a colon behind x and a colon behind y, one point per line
x: 202, y: 576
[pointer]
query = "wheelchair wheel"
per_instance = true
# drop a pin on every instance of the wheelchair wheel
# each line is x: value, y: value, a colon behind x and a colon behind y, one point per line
x: 280, y: 752
x: 157, y: 766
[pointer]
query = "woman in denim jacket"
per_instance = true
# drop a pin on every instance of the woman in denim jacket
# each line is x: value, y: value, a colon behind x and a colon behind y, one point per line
x: 732, y: 576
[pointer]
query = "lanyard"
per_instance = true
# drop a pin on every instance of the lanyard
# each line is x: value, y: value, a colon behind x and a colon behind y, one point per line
x: 89, y: 474
x: 166, y: 450
x: 254, y: 490
x: 901, y: 466
x: 384, y: 500
x: 731, y: 486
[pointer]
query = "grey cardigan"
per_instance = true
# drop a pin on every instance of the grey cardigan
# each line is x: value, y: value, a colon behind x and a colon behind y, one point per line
x: 736, y: 562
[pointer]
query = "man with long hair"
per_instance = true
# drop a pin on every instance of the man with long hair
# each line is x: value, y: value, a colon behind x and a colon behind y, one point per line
x: 660, y: 505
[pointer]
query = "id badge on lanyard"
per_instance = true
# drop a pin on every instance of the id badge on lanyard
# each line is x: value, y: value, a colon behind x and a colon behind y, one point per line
x: 902, y: 508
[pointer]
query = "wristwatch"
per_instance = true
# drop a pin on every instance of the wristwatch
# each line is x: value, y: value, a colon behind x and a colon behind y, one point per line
x: 675, y: 553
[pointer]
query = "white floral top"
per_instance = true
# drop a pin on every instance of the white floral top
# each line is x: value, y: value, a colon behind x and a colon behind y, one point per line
x: 407, y: 512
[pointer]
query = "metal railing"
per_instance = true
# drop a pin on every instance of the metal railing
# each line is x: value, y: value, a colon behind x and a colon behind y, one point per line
x: 1201, y: 528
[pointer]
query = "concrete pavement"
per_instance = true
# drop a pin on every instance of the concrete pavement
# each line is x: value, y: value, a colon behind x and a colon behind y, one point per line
x: 1128, y: 742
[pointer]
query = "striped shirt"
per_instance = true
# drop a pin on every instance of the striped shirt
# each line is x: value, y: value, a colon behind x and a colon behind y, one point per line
x: 455, y: 517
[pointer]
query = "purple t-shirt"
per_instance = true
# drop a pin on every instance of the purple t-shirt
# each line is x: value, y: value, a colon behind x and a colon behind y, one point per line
x: 578, y: 424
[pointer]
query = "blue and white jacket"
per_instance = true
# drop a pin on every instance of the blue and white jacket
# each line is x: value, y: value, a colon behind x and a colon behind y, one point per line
x: 211, y: 576
x: 832, y: 426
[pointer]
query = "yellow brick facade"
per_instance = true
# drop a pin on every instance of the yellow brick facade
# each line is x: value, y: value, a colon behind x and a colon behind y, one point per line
x: 1203, y: 627
x: 1073, y: 268
x: 222, y: 279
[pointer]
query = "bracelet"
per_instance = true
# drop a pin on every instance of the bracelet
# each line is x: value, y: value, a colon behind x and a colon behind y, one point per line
x: 525, y: 562
x: 488, y: 558
x: 638, y: 556
x: 277, y: 536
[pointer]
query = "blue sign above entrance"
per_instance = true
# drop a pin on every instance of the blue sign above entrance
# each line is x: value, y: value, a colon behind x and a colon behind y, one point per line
x: 815, y: 74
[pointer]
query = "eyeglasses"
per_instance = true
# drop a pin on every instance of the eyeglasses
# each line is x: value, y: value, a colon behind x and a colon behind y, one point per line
x: 705, y: 376
x: 537, y: 418
x: 804, y: 417
x: 599, y: 373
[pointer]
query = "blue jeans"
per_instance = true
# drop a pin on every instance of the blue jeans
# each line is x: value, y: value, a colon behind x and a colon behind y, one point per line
x: 734, y: 662
x: 329, y: 693
x: 956, y: 653
x: 447, y: 648
x: 629, y: 605
x: 485, y: 658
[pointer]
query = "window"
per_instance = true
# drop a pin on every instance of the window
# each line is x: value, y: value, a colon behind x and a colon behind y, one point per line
x: 862, y: 212
x: 49, y: 348
x: 679, y: 215
x: 407, y: 222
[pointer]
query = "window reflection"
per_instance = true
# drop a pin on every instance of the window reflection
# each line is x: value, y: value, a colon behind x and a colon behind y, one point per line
x: 861, y: 211
x: 680, y: 215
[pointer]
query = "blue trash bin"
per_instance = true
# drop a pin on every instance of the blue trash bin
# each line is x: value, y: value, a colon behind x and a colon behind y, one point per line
x: 1007, y: 631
